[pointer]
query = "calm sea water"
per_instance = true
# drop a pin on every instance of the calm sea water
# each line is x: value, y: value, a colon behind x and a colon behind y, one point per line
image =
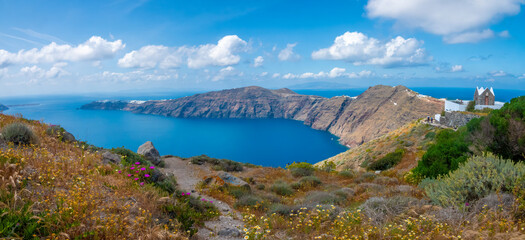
x: 267, y: 142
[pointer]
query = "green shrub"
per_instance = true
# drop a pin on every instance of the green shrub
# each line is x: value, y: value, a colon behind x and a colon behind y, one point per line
x: 284, y: 210
x: 218, y: 164
x: 450, y: 149
x: 19, y: 134
x: 346, y: 174
x: 281, y: 188
x: 168, y: 185
x: 475, y: 179
x: 130, y: 157
x: 320, y: 197
x: 301, y: 169
x: 19, y: 222
x: 260, y: 186
x: 190, y: 212
x: 307, y: 182
x: 471, y: 106
x: 379, y: 209
x: 328, y: 166
x: 388, y: 161
x: 249, y: 201
x: 238, y: 192
x: 430, y: 135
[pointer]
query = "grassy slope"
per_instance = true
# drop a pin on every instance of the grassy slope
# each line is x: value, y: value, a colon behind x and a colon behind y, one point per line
x: 59, y: 190
x: 411, y: 137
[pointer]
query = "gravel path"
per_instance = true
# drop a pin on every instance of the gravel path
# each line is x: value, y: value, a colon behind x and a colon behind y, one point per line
x: 229, y: 225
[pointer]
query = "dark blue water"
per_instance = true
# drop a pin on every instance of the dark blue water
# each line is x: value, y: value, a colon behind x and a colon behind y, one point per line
x: 267, y: 142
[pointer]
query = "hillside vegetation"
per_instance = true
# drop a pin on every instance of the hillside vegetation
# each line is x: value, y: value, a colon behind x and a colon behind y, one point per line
x: 55, y: 189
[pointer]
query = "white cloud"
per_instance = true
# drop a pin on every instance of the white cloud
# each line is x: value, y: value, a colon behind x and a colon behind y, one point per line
x: 35, y: 72
x: 96, y: 48
x: 359, y: 49
x: 499, y: 73
x: 3, y: 72
x: 258, y: 61
x: 138, y: 76
x: 457, y: 68
x: 469, y: 37
x: 276, y: 75
x: 504, y: 34
x: 288, y: 54
x: 445, y: 18
x: 334, y: 73
x: 226, y: 73
x: 520, y: 77
x: 263, y: 74
x: 151, y: 56
x: 221, y: 54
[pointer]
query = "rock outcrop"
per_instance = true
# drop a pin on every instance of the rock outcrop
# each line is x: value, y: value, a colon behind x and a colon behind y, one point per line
x: 108, y: 157
x: 150, y: 153
x: 3, y: 107
x: 378, y: 110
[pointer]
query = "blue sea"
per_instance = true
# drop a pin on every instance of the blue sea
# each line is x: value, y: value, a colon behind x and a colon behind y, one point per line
x: 266, y: 142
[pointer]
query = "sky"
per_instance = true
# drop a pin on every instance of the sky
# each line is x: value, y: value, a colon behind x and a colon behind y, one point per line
x: 69, y: 47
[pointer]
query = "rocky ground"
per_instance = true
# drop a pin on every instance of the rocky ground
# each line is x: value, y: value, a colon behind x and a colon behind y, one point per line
x: 229, y: 224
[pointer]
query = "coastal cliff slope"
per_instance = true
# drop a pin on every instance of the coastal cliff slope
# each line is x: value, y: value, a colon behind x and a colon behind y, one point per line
x: 2, y: 107
x: 377, y: 111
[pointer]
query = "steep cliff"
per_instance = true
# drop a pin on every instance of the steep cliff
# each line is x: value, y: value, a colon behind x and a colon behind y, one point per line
x: 377, y: 111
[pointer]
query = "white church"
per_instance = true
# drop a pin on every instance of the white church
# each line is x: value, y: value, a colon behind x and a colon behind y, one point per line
x: 483, y: 97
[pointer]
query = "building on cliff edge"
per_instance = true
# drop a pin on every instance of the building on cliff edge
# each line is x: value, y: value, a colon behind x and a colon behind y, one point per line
x: 483, y: 97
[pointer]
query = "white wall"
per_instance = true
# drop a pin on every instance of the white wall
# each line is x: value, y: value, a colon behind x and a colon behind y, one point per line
x: 452, y: 106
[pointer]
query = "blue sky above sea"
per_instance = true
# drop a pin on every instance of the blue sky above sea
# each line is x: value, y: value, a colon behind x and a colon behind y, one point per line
x: 57, y: 47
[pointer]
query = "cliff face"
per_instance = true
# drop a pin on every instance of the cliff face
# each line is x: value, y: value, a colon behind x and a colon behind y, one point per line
x: 2, y: 107
x: 377, y: 111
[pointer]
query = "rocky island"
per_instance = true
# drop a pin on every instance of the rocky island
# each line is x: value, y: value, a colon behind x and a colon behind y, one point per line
x: 379, y: 110
x: 3, y: 107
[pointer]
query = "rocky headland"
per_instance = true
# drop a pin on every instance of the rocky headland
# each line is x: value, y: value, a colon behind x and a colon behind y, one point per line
x: 356, y: 120
x: 3, y: 107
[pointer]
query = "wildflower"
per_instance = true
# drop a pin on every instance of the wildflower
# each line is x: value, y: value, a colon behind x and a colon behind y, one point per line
x: 183, y: 194
x: 211, y: 201
x: 143, y: 169
x: 137, y: 163
x: 188, y: 193
x: 146, y: 175
x: 136, y: 179
x: 129, y: 175
x: 467, y: 204
x: 132, y: 168
x: 142, y: 184
x: 119, y: 171
x: 152, y: 167
x: 204, y: 200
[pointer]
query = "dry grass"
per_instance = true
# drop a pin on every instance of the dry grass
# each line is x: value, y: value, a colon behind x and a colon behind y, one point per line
x: 71, y: 194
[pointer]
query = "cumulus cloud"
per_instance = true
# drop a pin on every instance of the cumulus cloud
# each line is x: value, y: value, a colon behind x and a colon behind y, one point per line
x: 35, y: 72
x: 226, y: 73
x: 499, y: 73
x: 3, y: 72
x: 96, y: 48
x: 520, y: 77
x: 151, y: 56
x: 138, y: 76
x: 445, y: 18
x: 287, y: 54
x: 334, y: 73
x: 276, y: 75
x: 360, y: 49
x: 258, y: 61
x: 263, y: 74
x: 223, y: 53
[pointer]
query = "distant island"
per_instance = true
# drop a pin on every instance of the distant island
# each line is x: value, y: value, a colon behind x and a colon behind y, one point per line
x: 377, y: 111
x: 3, y: 107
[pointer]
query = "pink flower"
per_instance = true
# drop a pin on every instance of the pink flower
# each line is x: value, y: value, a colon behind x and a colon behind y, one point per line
x: 136, y: 179
x: 152, y: 167
x: 188, y: 193
x: 137, y: 163
x: 211, y: 201
x: 142, y: 184
x: 129, y: 175
x: 119, y: 171
x: 146, y: 175
x: 132, y: 168
x: 137, y: 171
x: 183, y: 194
x: 143, y: 169
x: 204, y: 200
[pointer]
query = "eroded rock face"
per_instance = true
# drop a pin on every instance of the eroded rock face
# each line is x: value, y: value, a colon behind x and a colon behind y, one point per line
x: 232, y: 180
x: 150, y: 153
x: 377, y: 111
